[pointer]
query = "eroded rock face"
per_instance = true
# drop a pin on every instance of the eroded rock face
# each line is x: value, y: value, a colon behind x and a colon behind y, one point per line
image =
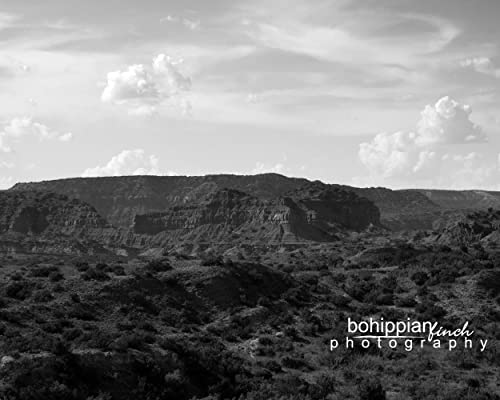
x: 317, y: 213
x: 479, y: 226
x: 35, y: 213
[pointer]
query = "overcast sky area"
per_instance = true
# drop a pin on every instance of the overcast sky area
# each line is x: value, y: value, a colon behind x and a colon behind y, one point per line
x: 391, y: 93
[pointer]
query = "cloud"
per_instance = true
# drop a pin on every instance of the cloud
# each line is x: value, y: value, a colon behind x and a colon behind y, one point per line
x: 136, y: 82
x: 188, y: 23
x: 4, y: 148
x: 404, y: 154
x: 483, y: 65
x: 6, y: 164
x: 66, y: 137
x: 388, y: 154
x: 140, y: 87
x: 20, y: 127
x: 447, y: 122
x: 128, y: 162
x: 261, y: 168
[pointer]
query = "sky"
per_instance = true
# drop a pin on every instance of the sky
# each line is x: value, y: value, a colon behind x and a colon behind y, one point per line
x: 392, y: 93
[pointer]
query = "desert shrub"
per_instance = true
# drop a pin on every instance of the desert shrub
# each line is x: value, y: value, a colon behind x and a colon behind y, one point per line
x: 72, y: 334
x: 490, y: 282
x: 158, y: 265
x: 42, y: 296
x: 43, y: 271
x: 58, y: 288
x: 101, y: 266
x: 56, y: 276
x: 75, y: 297
x: 118, y: 270
x: 82, y: 266
x: 19, y: 290
x: 339, y: 300
x: 145, y: 303
x: 370, y: 388
x: 294, y: 363
x: 93, y: 274
x: 429, y: 311
x: 16, y: 276
x: 419, y: 278
x: 405, y: 301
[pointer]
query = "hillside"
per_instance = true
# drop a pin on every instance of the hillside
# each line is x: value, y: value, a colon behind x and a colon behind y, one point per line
x: 32, y: 221
x: 121, y: 199
x: 229, y: 215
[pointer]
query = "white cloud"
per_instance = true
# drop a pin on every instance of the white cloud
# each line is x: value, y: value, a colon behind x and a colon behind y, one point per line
x: 6, y: 164
x: 128, y: 162
x: 191, y: 24
x: 66, y: 137
x: 166, y: 71
x: 483, y: 65
x: 447, y: 122
x: 261, y: 168
x: 403, y: 154
x: 136, y: 82
x: 388, y: 154
x: 188, y: 23
x: 142, y: 87
x: 3, y: 147
x: 17, y: 128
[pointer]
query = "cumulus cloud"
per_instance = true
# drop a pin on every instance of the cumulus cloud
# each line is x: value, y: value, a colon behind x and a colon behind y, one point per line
x: 128, y: 162
x: 403, y: 154
x: 483, y: 65
x: 136, y: 82
x: 447, y: 122
x: 142, y: 86
x: 17, y: 128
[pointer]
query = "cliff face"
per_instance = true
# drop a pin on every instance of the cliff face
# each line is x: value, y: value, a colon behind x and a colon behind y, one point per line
x: 229, y: 214
x: 36, y: 213
x: 47, y: 222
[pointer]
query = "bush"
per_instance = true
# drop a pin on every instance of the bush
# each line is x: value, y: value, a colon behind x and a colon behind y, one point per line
x: 405, y: 301
x: 19, y: 290
x: 93, y: 274
x: 56, y: 276
x: 371, y: 389
x: 38, y: 271
x: 419, y: 278
x: 42, y: 296
x: 158, y: 265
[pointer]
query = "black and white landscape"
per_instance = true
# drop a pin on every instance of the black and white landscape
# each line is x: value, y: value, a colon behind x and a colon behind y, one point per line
x: 249, y: 200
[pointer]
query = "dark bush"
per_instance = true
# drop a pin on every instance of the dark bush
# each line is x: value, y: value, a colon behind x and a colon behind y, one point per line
x: 419, y: 278
x: 158, y: 265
